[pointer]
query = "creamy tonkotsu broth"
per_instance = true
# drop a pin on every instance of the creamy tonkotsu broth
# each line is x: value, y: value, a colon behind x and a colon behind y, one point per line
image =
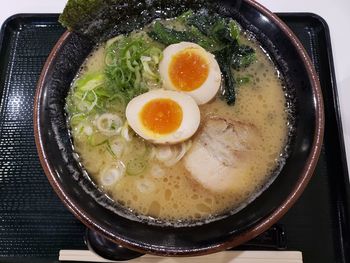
x: 187, y: 180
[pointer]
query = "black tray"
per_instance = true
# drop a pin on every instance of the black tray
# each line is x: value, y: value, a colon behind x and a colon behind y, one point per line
x: 34, y: 224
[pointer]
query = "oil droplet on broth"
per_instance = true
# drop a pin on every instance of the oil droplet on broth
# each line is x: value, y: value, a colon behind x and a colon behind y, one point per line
x: 167, y: 194
x: 203, y: 208
x: 154, y: 209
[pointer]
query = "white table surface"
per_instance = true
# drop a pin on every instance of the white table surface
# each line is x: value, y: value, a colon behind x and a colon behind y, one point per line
x: 335, y: 12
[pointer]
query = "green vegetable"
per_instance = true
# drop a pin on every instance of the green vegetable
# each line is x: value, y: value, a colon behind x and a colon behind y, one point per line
x: 202, y: 21
x: 231, y: 55
x: 242, y: 80
x: 109, y: 149
x: 89, y: 82
x: 132, y: 63
x: 235, y: 29
x: 183, y: 18
x: 207, y: 43
x: 77, y: 118
x: 95, y: 140
x: 220, y: 31
x: 223, y: 30
x: 215, y: 34
x: 169, y: 36
x: 83, y: 99
x: 224, y: 58
x: 99, y: 143
x: 243, y: 57
x: 136, y: 166
x: 165, y: 35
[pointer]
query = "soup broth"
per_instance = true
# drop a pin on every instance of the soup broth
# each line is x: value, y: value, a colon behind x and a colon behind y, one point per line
x: 141, y: 176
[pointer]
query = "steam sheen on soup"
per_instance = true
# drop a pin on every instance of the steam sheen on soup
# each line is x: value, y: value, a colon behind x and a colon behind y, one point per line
x: 176, y: 129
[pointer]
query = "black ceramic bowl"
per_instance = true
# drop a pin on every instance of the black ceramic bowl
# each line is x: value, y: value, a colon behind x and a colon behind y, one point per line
x: 83, y: 198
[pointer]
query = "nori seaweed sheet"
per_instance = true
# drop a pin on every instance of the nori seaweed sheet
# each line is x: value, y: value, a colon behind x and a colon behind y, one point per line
x: 99, y: 20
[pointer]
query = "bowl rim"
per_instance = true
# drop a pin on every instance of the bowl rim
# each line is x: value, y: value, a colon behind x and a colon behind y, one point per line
x: 246, y: 235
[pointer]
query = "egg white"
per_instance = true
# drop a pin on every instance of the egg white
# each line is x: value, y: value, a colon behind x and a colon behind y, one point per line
x: 190, y: 116
x: 211, y: 85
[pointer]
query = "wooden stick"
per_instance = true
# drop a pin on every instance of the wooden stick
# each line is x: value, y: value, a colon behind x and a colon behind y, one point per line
x: 221, y: 257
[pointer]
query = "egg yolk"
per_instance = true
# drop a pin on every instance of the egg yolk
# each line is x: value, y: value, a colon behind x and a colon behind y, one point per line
x: 161, y: 116
x: 188, y: 69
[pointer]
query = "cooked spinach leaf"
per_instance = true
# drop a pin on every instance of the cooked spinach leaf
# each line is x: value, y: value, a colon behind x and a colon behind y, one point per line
x: 244, y: 56
x: 202, y: 21
x: 223, y: 30
x: 242, y: 80
x: 168, y: 36
x: 215, y: 34
x: 228, y: 86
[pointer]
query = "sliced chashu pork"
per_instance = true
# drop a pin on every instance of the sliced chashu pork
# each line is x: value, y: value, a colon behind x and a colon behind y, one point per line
x: 221, y: 153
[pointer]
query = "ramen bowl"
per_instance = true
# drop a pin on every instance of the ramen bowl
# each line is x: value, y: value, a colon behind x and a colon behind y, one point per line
x: 100, y: 213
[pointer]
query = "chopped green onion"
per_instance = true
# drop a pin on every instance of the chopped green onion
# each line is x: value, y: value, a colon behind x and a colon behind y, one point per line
x: 89, y: 82
x: 108, y: 123
x: 242, y: 80
x: 136, y: 166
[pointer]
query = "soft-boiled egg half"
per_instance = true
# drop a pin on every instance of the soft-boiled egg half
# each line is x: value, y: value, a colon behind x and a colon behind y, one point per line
x: 163, y: 116
x: 189, y: 68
